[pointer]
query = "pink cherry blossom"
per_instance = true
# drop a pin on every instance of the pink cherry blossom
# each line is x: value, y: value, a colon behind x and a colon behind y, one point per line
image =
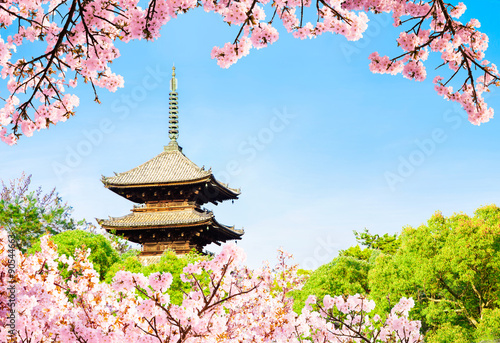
x: 237, y: 304
x: 78, y: 44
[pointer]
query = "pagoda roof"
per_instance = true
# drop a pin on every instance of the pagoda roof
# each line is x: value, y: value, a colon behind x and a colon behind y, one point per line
x: 166, y: 219
x: 170, y: 167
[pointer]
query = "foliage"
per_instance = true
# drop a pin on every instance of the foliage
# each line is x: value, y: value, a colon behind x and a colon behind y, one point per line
x: 168, y: 263
x: 77, y: 43
x: 343, y: 276
x: 129, y: 253
x: 236, y: 304
x: 451, y: 266
x: 489, y: 327
x: 388, y: 244
x: 447, y: 333
x: 347, y: 273
x: 102, y: 254
x: 357, y: 252
x: 27, y: 215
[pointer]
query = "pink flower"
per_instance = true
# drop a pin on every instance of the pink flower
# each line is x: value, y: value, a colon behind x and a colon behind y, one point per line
x: 160, y: 282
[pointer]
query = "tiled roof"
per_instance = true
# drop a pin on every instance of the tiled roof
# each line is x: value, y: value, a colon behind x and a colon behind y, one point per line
x: 158, y: 218
x: 168, y: 167
x: 165, y: 219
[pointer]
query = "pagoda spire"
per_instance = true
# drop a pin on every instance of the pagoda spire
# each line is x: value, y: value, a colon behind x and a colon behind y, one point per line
x: 173, y: 131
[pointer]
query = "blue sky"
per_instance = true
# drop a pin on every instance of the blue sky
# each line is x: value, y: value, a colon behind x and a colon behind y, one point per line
x: 319, y: 146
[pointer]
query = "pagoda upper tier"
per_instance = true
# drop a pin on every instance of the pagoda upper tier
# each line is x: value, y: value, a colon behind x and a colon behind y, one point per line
x: 170, y: 175
x: 170, y: 190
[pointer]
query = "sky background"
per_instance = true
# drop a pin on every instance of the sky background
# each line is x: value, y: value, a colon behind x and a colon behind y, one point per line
x: 318, y: 144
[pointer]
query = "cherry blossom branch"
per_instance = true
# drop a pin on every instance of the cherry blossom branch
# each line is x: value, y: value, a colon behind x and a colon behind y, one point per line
x: 81, y: 36
x: 52, y: 55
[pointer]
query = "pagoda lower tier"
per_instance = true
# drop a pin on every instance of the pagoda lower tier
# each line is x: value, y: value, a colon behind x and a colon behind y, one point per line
x: 180, y: 229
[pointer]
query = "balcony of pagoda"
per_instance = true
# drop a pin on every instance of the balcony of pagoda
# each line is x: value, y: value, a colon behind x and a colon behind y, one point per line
x: 179, y: 247
x: 166, y: 206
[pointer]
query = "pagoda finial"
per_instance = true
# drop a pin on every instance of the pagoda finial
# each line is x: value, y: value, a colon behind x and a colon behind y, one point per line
x: 173, y: 81
x: 173, y: 131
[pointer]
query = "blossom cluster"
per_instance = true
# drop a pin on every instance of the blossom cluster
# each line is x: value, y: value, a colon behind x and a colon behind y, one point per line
x: 461, y: 46
x: 79, y: 38
x: 228, y: 303
x: 80, y: 41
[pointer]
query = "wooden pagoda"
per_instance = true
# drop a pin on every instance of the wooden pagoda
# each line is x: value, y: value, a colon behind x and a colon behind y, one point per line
x: 170, y: 191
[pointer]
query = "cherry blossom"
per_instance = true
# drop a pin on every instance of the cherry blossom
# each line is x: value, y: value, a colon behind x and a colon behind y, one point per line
x: 80, y: 36
x: 228, y: 303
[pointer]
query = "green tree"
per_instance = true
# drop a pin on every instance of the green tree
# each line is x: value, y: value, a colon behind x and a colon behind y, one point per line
x: 102, y: 254
x: 451, y: 267
x: 27, y: 215
x: 388, y: 244
x: 346, y: 274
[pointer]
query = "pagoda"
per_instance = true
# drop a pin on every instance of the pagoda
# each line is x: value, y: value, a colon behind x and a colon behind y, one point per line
x: 170, y: 191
